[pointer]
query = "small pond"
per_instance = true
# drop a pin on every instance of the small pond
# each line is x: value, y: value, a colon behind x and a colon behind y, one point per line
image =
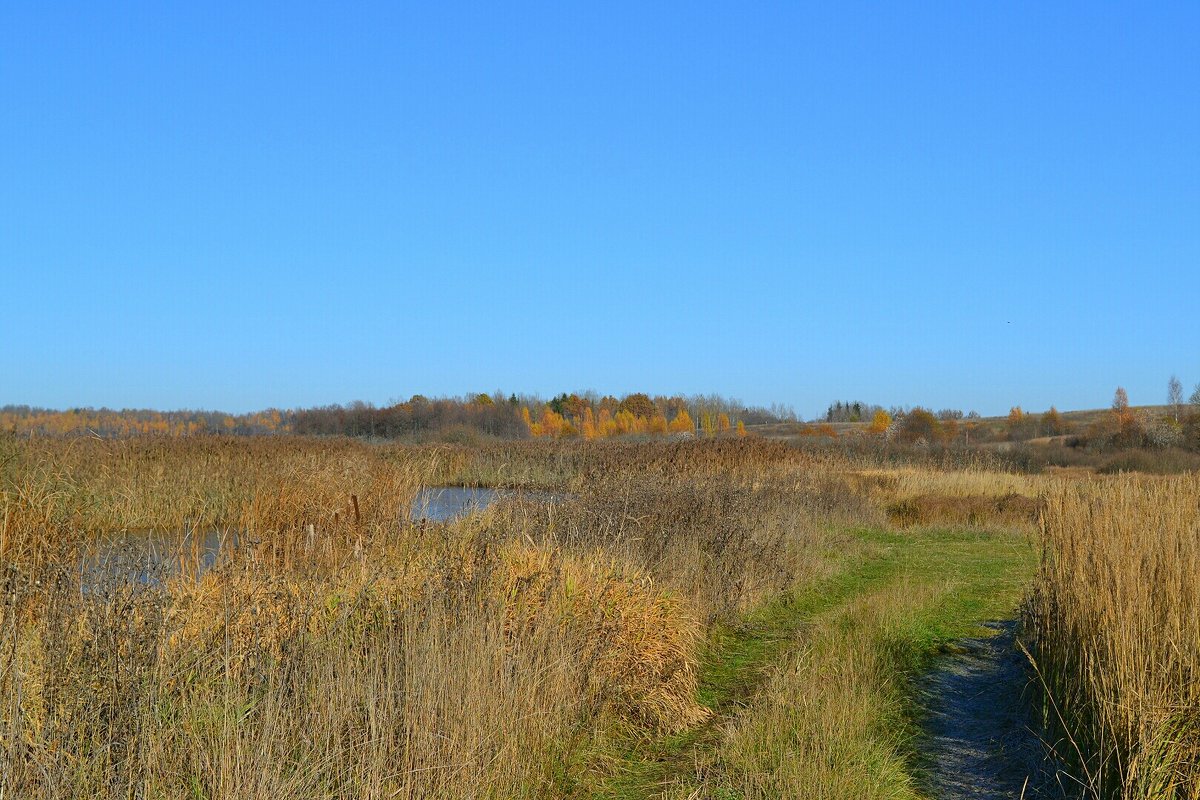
x: 147, y: 556
x: 447, y: 503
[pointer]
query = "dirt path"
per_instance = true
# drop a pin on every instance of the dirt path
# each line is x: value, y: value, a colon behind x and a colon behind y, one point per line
x: 980, y: 742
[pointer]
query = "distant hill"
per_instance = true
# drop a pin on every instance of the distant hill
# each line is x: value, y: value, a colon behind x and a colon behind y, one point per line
x: 989, y: 427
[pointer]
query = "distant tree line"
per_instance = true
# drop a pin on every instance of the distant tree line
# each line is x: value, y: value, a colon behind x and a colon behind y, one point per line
x: 416, y: 417
x: 856, y: 411
x: 1178, y: 425
x: 112, y: 423
x: 587, y: 415
x: 1122, y: 427
x: 592, y: 416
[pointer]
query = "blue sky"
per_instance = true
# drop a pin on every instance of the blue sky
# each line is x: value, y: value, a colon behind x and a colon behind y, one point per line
x: 242, y: 205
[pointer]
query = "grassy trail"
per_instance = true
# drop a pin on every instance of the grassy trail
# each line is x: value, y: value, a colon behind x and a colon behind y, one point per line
x: 817, y: 688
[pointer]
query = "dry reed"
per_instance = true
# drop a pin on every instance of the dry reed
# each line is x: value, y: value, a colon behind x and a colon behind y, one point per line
x: 1113, y: 625
x: 340, y: 650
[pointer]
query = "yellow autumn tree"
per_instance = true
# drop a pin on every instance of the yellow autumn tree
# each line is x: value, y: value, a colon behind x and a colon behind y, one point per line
x: 552, y: 424
x: 949, y: 430
x: 722, y: 423
x: 605, y: 424
x: 626, y: 422
x: 880, y: 422
x: 587, y: 426
x: 682, y: 423
x: 535, y: 429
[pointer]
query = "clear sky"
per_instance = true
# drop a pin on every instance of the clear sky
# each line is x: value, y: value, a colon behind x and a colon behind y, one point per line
x: 241, y: 205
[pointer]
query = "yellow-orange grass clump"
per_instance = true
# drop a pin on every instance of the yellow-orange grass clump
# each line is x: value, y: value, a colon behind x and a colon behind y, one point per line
x: 639, y: 644
x: 1114, y: 629
x: 81, y: 487
x: 453, y: 629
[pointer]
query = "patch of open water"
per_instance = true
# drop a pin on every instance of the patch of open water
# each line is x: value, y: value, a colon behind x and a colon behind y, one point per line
x: 447, y: 503
x: 148, y: 556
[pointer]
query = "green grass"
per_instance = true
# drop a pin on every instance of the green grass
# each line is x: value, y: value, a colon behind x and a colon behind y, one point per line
x: 911, y: 594
x: 988, y: 571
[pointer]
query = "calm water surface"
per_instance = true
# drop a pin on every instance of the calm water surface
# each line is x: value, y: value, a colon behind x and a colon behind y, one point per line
x: 446, y: 503
x: 148, y: 556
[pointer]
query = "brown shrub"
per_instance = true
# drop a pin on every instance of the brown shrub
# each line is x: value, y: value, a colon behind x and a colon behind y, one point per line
x: 974, y: 510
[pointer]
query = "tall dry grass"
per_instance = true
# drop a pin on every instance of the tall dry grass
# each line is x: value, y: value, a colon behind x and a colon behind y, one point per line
x: 58, y: 493
x: 1113, y: 625
x: 814, y: 730
x: 457, y: 663
x: 970, y: 481
x: 341, y: 650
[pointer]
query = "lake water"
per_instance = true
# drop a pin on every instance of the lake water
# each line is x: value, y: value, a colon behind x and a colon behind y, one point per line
x: 147, y: 556
x: 447, y: 503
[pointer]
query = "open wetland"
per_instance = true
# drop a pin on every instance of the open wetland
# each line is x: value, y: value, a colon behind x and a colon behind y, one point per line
x: 724, y: 618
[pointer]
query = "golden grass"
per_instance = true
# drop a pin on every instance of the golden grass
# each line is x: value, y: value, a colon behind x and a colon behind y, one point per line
x: 970, y: 496
x: 905, y: 482
x: 1013, y: 510
x: 814, y: 729
x: 1114, y: 626
x: 487, y: 653
x: 340, y: 650
x: 61, y: 491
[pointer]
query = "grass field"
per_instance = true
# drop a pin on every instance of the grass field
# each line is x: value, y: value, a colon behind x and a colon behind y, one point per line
x: 732, y: 618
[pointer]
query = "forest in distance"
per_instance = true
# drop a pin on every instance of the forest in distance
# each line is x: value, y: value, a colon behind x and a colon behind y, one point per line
x: 496, y: 416
x: 1167, y: 434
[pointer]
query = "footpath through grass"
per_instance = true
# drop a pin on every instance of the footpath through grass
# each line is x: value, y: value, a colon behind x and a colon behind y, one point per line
x: 812, y: 695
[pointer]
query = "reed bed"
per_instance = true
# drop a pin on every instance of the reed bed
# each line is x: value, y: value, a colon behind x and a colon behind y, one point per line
x: 454, y: 646
x: 342, y: 650
x: 971, y: 481
x: 339, y: 649
x: 457, y: 660
x: 1113, y: 624
x: 64, y: 490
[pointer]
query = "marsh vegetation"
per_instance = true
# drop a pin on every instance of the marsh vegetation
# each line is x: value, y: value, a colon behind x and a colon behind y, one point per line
x: 730, y: 617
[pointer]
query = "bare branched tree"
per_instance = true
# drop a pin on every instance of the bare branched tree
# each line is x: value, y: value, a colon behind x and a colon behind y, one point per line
x: 1175, y: 396
x: 1120, y: 403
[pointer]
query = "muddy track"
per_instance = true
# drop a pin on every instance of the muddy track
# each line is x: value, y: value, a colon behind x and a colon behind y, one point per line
x: 980, y: 731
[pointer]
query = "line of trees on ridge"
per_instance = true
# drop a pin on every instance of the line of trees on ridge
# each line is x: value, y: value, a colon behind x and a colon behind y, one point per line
x: 586, y: 415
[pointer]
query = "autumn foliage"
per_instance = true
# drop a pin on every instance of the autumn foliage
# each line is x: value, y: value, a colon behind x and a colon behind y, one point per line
x: 419, y: 418
x: 105, y: 422
x: 635, y: 415
x: 880, y: 422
